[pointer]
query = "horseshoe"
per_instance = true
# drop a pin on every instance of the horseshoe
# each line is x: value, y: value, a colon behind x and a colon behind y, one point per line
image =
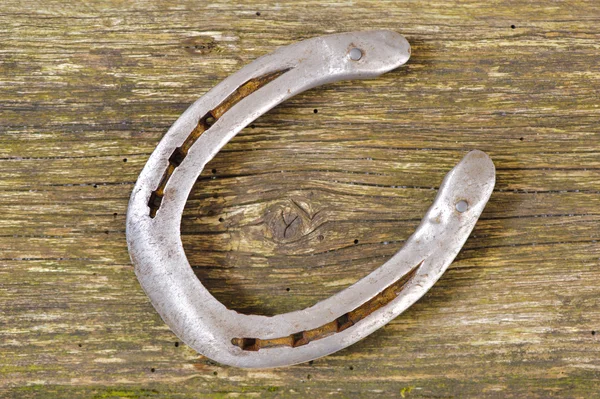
x: 161, y: 191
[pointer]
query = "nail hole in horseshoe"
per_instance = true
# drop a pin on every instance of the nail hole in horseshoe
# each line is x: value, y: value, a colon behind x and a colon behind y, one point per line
x: 462, y: 206
x: 355, y: 54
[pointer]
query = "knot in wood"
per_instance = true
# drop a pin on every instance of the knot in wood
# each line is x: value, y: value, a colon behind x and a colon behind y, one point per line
x: 289, y: 220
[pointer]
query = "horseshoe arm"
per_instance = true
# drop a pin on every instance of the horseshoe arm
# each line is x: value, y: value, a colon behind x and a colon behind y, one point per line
x: 159, y: 196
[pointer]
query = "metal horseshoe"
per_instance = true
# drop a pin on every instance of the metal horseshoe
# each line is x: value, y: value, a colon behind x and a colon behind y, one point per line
x: 161, y: 191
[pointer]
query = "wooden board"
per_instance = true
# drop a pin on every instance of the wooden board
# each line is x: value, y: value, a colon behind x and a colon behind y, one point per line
x: 312, y: 197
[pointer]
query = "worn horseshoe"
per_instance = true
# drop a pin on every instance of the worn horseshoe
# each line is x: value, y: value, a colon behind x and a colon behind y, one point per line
x: 160, y: 194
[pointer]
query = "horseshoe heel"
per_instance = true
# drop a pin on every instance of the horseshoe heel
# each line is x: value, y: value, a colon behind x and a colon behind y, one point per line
x: 160, y: 194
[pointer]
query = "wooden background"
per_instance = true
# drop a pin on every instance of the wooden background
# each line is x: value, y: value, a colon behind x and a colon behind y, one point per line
x: 312, y: 197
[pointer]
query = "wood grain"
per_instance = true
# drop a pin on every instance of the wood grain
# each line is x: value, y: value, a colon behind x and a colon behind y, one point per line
x: 309, y: 199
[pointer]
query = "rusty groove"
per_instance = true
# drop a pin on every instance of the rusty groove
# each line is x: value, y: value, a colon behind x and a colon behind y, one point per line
x: 203, y: 125
x: 340, y: 324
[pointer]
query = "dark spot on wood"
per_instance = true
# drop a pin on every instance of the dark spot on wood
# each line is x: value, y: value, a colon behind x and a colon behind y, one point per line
x: 200, y: 45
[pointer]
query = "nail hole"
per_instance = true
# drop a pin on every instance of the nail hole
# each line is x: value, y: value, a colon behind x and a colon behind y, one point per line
x: 82, y: 345
x: 214, y: 171
x: 315, y: 111
x: 177, y: 344
x: 106, y: 232
x: 593, y: 333
x: 321, y: 237
x: 258, y: 13
x: 462, y: 206
x: 221, y: 220
x: 152, y: 370
x: 521, y: 139
x: 310, y: 362
x: 351, y: 368
x: 287, y: 289
x: 215, y: 373
x: 355, y: 54
x: 124, y: 159
x: 355, y: 241
x: 115, y: 214
x: 95, y: 186
x: 512, y: 27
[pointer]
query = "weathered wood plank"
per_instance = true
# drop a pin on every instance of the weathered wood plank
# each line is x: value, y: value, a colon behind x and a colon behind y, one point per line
x: 88, y: 89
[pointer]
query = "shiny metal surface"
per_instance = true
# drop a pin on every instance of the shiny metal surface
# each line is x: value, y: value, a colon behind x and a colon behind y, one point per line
x: 240, y: 340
